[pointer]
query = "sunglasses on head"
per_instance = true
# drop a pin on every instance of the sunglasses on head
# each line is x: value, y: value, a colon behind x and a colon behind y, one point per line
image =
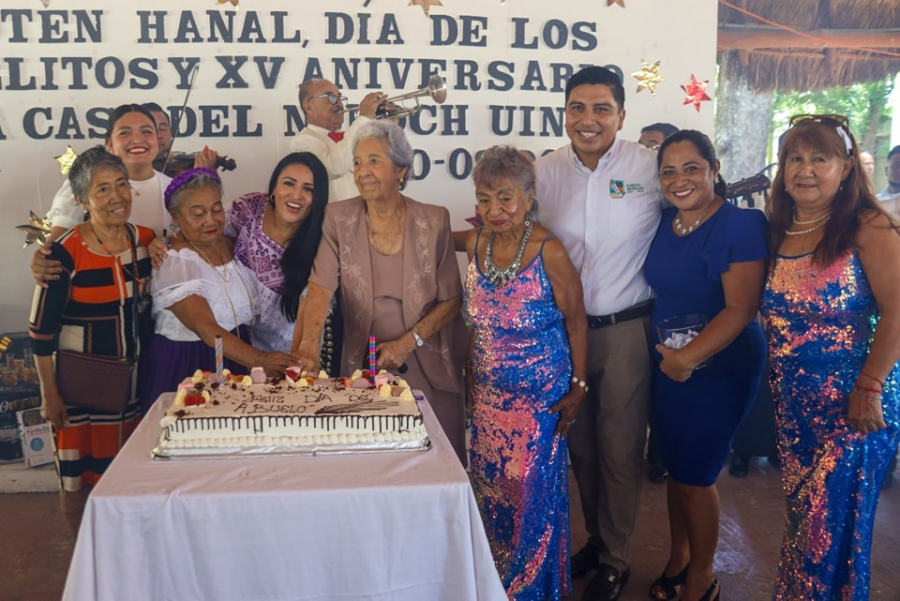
x: 835, y: 120
x: 840, y: 122
x: 331, y: 97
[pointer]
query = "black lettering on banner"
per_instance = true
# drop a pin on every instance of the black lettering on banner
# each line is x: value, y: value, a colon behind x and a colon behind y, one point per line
x: 97, y: 118
x: 17, y: 17
x: 184, y: 66
x: 445, y: 31
x: 153, y: 27
x: 293, y: 118
x: 342, y: 30
x: 143, y: 68
x: 466, y: 76
x: 269, y: 76
x: 242, y: 122
x: 460, y: 164
x: 51, y: 31
x: 421, y: 166
x: 554, y: 34
x: 500, y: 73
x: 232, y: 64
x: 101, y: 72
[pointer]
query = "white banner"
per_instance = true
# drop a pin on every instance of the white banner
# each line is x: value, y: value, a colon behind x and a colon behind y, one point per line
x: 64, y: 67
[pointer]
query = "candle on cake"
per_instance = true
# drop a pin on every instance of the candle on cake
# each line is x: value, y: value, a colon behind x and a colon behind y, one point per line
x: 220, y: 360
x: 372, y: 358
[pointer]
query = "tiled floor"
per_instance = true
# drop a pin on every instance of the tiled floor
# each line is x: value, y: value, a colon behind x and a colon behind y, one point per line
x: 38, y: 535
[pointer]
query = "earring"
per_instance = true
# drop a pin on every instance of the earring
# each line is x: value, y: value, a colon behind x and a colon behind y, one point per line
x: 272, y: 200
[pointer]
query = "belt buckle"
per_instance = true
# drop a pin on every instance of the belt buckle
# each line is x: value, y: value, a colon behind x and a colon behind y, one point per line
x: 612, y: 319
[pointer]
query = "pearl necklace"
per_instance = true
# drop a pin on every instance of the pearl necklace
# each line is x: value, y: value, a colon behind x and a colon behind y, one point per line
x: 501, y: 277
x: 684, y: 231
x: 816, y: 220
x: 806, y: 231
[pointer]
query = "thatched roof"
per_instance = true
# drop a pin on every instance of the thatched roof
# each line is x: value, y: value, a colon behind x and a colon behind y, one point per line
x: 837, y: 43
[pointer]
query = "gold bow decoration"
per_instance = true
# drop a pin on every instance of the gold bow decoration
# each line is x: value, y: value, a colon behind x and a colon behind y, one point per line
x: 36, y: 230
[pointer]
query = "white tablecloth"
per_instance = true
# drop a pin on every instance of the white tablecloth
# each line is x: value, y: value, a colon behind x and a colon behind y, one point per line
x: 394, y: 526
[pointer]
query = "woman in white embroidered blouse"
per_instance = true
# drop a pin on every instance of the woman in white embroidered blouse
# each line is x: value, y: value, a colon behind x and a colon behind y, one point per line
x: 201, y: 292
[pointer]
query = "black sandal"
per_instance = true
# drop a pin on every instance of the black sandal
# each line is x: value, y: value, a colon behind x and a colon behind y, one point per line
x: 670, y: 585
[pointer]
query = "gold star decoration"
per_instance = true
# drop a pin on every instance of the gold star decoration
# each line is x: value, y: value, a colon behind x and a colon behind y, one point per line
x: 234, y: 3
x: 425, y: 4
x: 648, y: 76
x: 619, y: 2
x: 65, y: 160
x: 36, y: 230
x: 695, y: 92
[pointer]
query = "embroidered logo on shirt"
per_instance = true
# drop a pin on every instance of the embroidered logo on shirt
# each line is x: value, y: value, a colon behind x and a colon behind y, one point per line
x: 616, y: 188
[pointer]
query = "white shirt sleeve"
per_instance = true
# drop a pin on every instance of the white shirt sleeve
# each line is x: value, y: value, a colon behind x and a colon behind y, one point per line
x: 64, y: 211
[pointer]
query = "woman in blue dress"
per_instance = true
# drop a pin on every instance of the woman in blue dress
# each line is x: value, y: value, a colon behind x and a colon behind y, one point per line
x: 832, y: 303
x: 527, y: 368
x: 708, y: 257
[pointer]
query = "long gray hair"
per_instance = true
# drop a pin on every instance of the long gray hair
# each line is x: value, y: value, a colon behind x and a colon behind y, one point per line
x: 398, y: 146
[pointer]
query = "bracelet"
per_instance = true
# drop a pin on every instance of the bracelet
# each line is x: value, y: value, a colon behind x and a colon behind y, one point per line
x: 580, y: 383
x: 873, y: 378
x: 872, y: 390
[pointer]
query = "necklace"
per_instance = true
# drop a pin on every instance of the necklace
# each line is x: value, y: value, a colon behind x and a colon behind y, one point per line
x: 117, y: 259
x: 138, y: 187
x: 224, y: 273
x: 227, y: 278
x: 806, y: 231
x: 501, y: 277
x: 816, y: 220
x: 397, y: 236
x: 684, y: 231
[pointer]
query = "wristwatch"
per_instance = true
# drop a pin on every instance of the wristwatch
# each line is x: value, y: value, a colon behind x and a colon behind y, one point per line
x: 419, y: 341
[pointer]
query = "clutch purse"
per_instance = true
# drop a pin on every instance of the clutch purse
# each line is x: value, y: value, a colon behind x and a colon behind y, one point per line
x: 94, y: 382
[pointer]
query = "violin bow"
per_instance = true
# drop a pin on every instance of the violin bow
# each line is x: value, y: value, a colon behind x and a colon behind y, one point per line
x: 180, y: 115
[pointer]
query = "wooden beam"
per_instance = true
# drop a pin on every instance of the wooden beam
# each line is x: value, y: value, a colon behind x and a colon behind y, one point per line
x: 753, y: 38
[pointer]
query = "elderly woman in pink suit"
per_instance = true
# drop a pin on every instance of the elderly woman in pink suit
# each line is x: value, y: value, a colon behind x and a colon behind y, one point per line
x: 393, y: 261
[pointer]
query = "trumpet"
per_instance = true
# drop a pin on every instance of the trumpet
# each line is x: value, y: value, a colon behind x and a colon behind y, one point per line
x: 436, y: 88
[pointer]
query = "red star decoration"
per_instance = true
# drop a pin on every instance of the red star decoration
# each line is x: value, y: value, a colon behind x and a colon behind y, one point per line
x: 696, y: 92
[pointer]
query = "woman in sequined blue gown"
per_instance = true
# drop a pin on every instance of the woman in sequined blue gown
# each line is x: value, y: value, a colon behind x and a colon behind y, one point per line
x: 832, y: 303
x: 526, y: 370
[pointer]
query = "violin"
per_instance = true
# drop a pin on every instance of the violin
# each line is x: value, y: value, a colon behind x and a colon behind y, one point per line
x: 180, y: 162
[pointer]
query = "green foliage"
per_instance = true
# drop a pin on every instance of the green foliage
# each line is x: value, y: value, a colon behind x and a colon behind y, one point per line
x: 865, y: 104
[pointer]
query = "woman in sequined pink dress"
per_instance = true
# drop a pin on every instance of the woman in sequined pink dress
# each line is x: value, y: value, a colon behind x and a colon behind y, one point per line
x: 832, y: 302
x: 527, y: 368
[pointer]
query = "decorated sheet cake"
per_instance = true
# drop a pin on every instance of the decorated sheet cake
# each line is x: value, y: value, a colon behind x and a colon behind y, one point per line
x: 298, y: 414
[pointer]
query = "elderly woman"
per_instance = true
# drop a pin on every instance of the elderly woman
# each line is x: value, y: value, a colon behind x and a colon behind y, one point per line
x: 708, y: 257
x: 276, y: 238
x: 832, y: 303
x: 201, y: 292
x: 399, y: 281
x: 527, y: 367
x: 90, y: 309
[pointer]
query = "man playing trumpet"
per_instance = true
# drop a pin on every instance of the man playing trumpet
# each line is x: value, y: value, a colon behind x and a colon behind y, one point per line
x: 323, y: 111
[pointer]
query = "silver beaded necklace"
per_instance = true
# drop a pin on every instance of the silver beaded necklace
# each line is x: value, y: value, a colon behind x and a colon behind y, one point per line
x: 501, y: 277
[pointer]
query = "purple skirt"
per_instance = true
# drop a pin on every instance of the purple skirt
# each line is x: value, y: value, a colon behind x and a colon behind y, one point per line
x: 166, y: 363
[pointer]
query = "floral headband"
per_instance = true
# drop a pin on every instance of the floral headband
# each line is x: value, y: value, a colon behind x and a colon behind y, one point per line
x: 183, y: 178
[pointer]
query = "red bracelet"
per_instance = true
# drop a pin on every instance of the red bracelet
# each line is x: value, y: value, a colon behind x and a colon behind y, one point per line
x: 880, y: 382
x: 875, y: 390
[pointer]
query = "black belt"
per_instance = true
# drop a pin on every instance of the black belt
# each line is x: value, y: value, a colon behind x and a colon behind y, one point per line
x: 641, y: 310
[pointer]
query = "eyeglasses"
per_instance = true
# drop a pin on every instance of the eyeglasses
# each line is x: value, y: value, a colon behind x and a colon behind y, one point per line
x: 833, y: 120
x: 331, y: 97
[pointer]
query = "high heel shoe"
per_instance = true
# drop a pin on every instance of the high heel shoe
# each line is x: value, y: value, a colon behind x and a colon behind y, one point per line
x: 714, y: 587
x: 670, y: 586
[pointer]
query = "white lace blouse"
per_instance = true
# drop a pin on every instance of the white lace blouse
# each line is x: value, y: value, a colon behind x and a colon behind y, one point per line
x: 185, y: 273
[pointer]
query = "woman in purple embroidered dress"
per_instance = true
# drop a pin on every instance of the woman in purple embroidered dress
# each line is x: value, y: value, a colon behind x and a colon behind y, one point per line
x: 276, y: 237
